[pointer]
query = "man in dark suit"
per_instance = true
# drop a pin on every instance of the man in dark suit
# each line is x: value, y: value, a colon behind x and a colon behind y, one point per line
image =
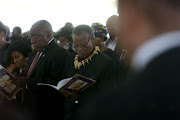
x: 149, y: 30
x: 119, y: 52
x: 45, y: 65
x: 111, y: 24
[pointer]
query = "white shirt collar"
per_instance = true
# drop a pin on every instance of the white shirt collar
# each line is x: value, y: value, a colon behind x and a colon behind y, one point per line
x: 112, y: 44
x: 154, y: 47
x: 51, y: 40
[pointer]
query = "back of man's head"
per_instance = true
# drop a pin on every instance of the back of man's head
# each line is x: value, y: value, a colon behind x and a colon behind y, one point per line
x: 112, y: 18
x: 80, y: 29
x: 111, y: 24
x: 16, y: 31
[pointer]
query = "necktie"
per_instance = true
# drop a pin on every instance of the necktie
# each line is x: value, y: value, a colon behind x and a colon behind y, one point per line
x: 33, y: 64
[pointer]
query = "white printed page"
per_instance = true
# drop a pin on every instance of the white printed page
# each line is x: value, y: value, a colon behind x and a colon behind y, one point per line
x: 59, y: 85
x: 63, y: 82
x: 1, y: 66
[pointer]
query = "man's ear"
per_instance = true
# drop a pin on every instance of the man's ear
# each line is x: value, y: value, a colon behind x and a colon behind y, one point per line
x: 92, y: 40
x: 49, y: 35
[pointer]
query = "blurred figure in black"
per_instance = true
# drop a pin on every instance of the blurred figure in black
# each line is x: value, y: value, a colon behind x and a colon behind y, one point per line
x: 119, y: 52
x: 69, y: 25
x: 8, y: 37
x: 152, y: 38
x: 16, y: 34
x: 3, y: 47
x: 7, y: 63
x: 111, y: 25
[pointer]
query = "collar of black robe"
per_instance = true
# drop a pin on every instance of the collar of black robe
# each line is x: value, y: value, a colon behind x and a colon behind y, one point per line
x: 80, y: 59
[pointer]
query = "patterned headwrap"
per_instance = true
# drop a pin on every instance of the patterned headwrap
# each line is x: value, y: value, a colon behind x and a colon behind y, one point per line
x: 99, y: 30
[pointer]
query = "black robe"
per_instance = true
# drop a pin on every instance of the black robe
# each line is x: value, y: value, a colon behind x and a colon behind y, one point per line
x: 99, y: 69
x: 152, y: 94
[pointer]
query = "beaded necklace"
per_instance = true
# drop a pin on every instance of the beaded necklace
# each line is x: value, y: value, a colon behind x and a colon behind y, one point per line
x: 78, y: 64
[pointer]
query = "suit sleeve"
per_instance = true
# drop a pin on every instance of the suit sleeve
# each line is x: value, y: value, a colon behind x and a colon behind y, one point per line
x: 50, y: 71
x: 57, y: 67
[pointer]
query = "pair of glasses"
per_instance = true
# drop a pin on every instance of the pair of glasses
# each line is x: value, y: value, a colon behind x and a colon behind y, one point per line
x: 83, y: 45
x: 75, y: 46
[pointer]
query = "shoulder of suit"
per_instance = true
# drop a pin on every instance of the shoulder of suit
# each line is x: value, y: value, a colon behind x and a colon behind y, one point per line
x: 55, y: 48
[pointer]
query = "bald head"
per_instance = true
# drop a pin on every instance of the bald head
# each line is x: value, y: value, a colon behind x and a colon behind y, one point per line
x: 41, y: 33
x: 42, y: 25
x: 112, y: 18
x: 111, y: 24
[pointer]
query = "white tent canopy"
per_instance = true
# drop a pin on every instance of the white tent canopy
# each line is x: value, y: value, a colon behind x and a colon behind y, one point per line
x: 24, y: 13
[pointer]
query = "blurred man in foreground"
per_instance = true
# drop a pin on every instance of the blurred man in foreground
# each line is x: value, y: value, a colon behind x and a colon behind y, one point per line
x: 150, y: 31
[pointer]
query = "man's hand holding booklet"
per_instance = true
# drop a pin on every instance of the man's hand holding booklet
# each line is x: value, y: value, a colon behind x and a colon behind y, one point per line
x: 70, y: 87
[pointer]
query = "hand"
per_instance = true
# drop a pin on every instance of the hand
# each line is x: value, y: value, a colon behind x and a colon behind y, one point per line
x: 73, y: 95
x: 19, y: 81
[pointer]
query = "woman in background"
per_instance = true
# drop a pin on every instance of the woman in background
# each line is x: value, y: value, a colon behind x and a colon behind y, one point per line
x: 100, y: 33
x: 20, y: 51
x: 64, y: 38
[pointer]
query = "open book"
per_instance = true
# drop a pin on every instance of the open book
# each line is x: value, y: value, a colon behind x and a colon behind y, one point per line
x: 7, y: 88
x: 77, y: 83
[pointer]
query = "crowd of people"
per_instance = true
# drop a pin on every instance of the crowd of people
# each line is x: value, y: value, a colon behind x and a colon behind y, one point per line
x: 133, y: 59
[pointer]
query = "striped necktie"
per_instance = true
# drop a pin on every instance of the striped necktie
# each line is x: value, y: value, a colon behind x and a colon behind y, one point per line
x: 33, y: 64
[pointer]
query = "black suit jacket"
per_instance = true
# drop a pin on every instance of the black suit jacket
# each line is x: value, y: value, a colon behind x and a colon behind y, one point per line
x: 153, y: 94
x: 99, y: 69
x: 41, y: 100
x: 50, y: 66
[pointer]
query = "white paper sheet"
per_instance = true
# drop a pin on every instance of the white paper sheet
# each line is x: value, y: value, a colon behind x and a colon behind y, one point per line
x: 59, y: 85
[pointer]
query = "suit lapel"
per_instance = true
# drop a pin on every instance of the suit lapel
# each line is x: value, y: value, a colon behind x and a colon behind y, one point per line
x: 30, y: 62
x: 42, y: 57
